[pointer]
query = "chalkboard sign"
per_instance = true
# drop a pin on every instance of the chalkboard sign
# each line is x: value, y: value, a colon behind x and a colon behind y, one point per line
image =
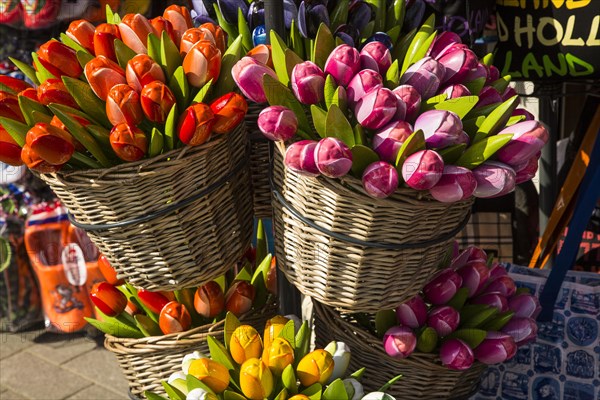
x: 552, y: 40
x: 467, y: 18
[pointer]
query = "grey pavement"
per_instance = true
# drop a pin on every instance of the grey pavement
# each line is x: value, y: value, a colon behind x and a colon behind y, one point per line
x: 42, y: 365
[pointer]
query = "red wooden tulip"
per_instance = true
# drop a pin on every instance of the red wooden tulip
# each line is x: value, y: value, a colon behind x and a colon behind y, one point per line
x: 54, y: 91
x: 30, y: 93
x: 239, y: 298
x: 108, y: 271
x: 153, y: 300
x: 174, y: 317
x: 161, y: 24
x: 82, y: 32
x: 209, y: 300
x: 108, y: 299
x: 128, y: 142
x: 142, y: 70
x: 36, y: 163
x: 52, y: 144
x: 123, y: 105
x: 272, y: 277
x: 102, y: 74
x: 104, y: 40
x: 59, y: 59
x: 157, y: 99
x: 229, y: 109
x: 195, y: 124
x: 134, y: 29
x: 180, y: 18
x: 9, y: 107
x: 218, y: 35
x: 16, y: 85
x: 202, y: 63
x: 10, y: 151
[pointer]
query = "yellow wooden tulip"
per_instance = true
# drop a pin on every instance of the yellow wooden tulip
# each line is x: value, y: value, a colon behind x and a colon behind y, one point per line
x: 280, y: 355
x: 211, y: 373
x: 316, y: 366
x: 245, y: 344
x: 256, y: 380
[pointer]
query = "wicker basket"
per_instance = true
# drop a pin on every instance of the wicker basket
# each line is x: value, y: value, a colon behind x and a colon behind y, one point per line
x: 177, y: 220
x: 147, y: 361
x: 346, y: 249
x: 259, y: 163
x: 423, y: 376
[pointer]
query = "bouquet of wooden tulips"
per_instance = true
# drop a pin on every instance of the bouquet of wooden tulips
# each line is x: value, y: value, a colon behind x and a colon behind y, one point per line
x: 121, y: 91
x: 277, y: 366
x: 128, y: 312
x: 423, y: 112
x: 470, y: 311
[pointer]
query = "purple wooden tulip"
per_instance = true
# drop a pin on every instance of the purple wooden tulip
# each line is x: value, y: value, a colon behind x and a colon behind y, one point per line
x: 456, y: 184
x: 361, y: 84
x: 474, y: 276
x: 455, y: 91
x: 413, y: 313
x: 496, y: 271
x: 376, y: 108
x: 443, y: 41
x: 496, y: 348
x: 375, y: 56
x: 300, y: 158
x: 522, y: 330
x: 458, y: 62
x: 444, y: 320
x: 343, y: 63
x: 504, y: 285
x: 278, y: 123
x: 528, y: 138
x: 359, y: 14
x: 248, y: 76
x: 388, y: 140
x: 308, y: 82
x: 487, y: 96
x: 494, y: 179
x: 441, y: 128
x: 400, y: 110
x: 442, y: 287
x: 468, y: 255
x: 310, y: 16
x: 399, y: 342
x: 493, y: 75
x: 380, y: 179
x: 480, y: 71
x: 423, y: 169
x: 425, y: 76
x: 456, y: 354
x: 333, y: 157
x: 411, y: 97
x: 524, y: 306
x: 521, y: 111
x: 348, y: 34
x: 509, y: 92
x: 229, y: 9
x: 493, y: 300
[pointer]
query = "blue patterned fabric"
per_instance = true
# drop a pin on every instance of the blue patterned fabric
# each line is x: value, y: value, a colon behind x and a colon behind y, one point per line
x: 564, y: 362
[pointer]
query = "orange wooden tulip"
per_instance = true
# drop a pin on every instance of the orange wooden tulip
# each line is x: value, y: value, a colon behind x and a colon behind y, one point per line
x: 272, y: 277
x: 154, y: 301
x: 102, y: 74
x: 52, y: 144
x: 59, y: 59
x: 193, y: 36
x: 181, y: 20
x: 239, y: 298
x: 161, y: 24
x: 209, y: 300
x: 36, y: 163
x: 108, y: 299
x: 59, y: 124
x: 54, y: 91
x: 142, y: 70
x: 195, y: 124
x: 174, y: 317
x: 202, y: 63
x: 156, y: 99
x: 128, y: 142
x: 219, y: 35
x: 132, y: 309
x: 108, y: 271
x: 262, y: 54
x: 16, y: 85
x: 229, y: 109
x: 82, y: 32
x: 30, y: 93
x: 10, y: 151
x: 134, y: 29
x: 123, y: 105
x: 9, y: 107
x: 104, y: 40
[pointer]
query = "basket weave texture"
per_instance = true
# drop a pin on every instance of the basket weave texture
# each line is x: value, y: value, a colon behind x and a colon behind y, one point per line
x: 364, y: 276
x: 259, y: 163
x: 187, y: 247
x: 147, y: 361
x: 423, y: 376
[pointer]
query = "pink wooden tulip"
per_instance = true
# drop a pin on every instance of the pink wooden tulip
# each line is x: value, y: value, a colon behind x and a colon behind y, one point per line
x: 425, y: 76
x: 388, y: 140
x: 442, y: 287
x: 278, y: 123
x: 442, y: 41
x: 343, y: 63
x: 444, y: 319
x: 455, y: 91
x: 528, y: 138
x: 380, y: 179
x: 524, y: 306
x: 457, y: 62
x: 413, y: 313
x: 456, y: 184
x: 248, y: 76
x: 456, y: 354
x: 376, y: 108
x: 504, y: 285
x: 423, y: 169
x: 469, y: 254
x: 496, y: 300
x: 399, y: 342
x: 308, y: 81
x: 522, y: 330
x: 411, y: 97
x: 361, y: 84
x: 474, y: 276
x: 333, y: 157
x: 376, y: 56
x: 496, y: 348
x: 441, y: 128
x: 488, y: 96
x: 494, y: 179
x: 300, y: 158
x: 528, y: 170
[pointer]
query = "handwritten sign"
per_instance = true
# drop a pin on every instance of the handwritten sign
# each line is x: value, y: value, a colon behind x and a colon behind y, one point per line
x: 548, y: 39
x: 467, y: 18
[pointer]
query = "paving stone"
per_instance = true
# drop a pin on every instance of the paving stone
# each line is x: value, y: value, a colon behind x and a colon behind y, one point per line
x: 11, y: 343
x: 10, y: 395
x: 36, y: 378
x: 61, y: 349
x: 100, y: 366
x: 97, y: 393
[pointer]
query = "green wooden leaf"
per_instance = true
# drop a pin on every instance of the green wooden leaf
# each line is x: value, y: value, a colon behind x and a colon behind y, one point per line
x: 415, y: 48
x: 149, y: 395
x: 169, y: 54
x: 335, y: 391
x: 367, y: 31
x: 124, y: 53
x: 156, y: 143
x: 339, y: 15
x: 147, y: 325
x: 472, y: 337
x: 338, y: 126
x: 392, y: 76
x: 340, y: 99
x: 313, y: 392
x: 479, y: 152
x: 28, y: 105
x: 488, y: 59
x: 362, y: 157
x: 302, y: 342
x: 460, y: 105
x: 195, y: 383
x: 171, y: 138
x: 458, y: 301
x: 515, y: 119
x: 180, y: 87
x: 297, y: 41
x: 219, y: 353
x: 261, y: 242
x: 358, y: 374
x: 245, y: 274
x: 480, y: 318
x: 482, y: 111
x: 278, y: 94
x: 384, y: 320
x: 475, y: 85
x: 233, y: 54
x: 427, y: 340
x: 471, y: 126
x: 115, y: 328
x: 231, y: 324
x: 411, y: 145
x: 379, y: 7
x: 498, y: 118
x: 41, y: 72
x: 154, y: 48
x: 85, y: 161
x: 84, y: 57
x: 204, y: 93
x: 26, y: 69
x: 259, y: 281
x: 329, y: 90
x: 7, y: 89
x: 282, y: 395
x: 359, y: 135
x: 173, y: 392
x: 501, y: 84
x: 291, y: 60
x: 498, y: 322
x: 394, y: 33
x: 324, y: 45
x: 87, y: 100
x: 288, y: 378
x: 66, y: 40
x: 451, y: 154
x: 17, y: 130
x: 109, y: 14
x: 101, y: 136
x: 278, y: 48
x: 227, y: 27
x: 431, y: 102
x: 400, y: 49
x: 395, y: 15
x: 289, y: 333
x: 230, y: 395
x: 319, y: 117
x: 244, y: 31
x: 389, y: 383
